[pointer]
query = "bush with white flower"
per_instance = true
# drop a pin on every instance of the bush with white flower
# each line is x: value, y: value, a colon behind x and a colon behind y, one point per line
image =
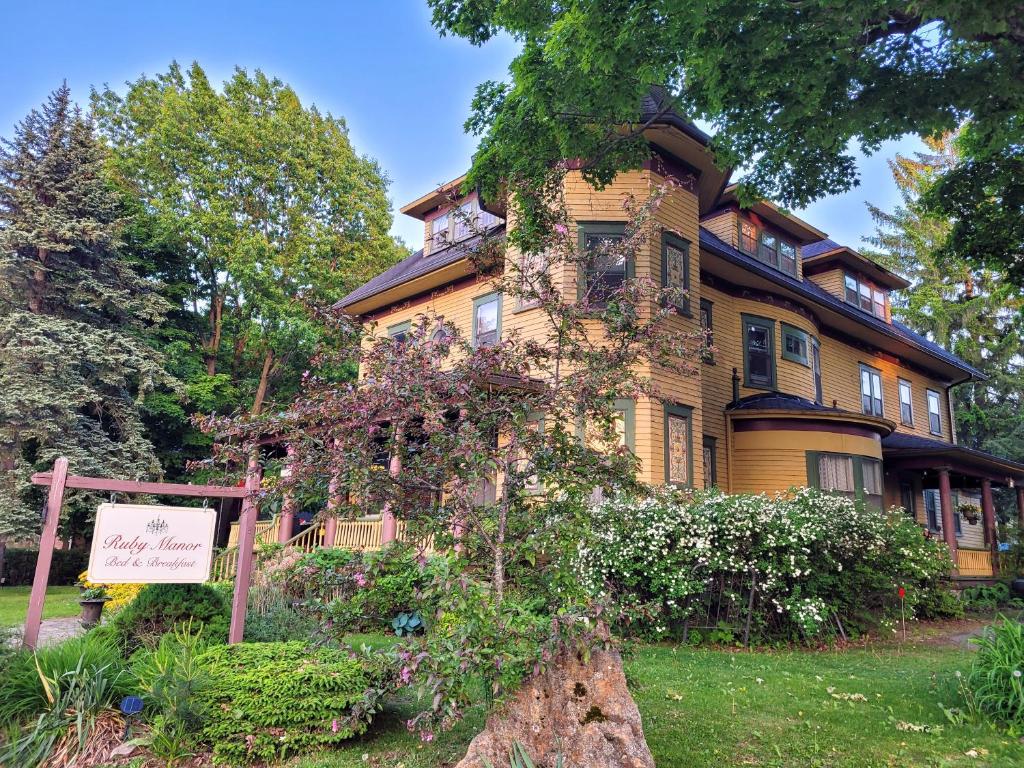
x: 813, y: 556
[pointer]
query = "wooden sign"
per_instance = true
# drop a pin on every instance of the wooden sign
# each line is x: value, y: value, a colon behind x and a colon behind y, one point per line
x: 150, y: 544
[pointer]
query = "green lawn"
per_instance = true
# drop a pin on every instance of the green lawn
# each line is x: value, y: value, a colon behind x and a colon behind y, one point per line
x: 768, y: 709
x: 60, y: 602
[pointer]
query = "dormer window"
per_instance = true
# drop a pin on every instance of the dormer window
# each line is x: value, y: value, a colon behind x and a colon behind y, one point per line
x: 767, y: 247
x: 439, y: 231
x: 863, y: 294
x: 460, y: 224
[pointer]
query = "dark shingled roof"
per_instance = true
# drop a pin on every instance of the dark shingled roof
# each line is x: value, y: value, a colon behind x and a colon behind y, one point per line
x: 814, y: 292
x: 900, y: 441
x: 415, y: 266
x: 653, y: 104
x: 811, y: 250
x: 778, y: 401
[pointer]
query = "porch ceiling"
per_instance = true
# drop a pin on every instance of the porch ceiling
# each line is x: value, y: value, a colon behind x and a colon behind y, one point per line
x: 910, y: 452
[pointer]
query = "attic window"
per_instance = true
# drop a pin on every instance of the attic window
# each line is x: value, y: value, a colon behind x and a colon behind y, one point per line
x: 460, y: 223
x: 767, y: 247
x: 864, y: 295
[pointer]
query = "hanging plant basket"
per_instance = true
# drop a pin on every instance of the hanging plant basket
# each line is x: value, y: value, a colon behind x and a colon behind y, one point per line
x: 970, y: 513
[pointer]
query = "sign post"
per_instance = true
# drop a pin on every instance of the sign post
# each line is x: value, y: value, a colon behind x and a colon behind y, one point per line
x: 54, y: 502
x: 59, y: 480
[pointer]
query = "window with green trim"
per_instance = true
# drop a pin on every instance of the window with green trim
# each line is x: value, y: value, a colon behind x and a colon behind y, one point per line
x: 678, y: 445
x: 607, y: 268
x: 934, y: 414
x: 707, y: 324
x: 871, y: 391
x: 675, y: 270
x: 400, y: 332
x: 623, y: 425
x: 710, y: 446
x: 858, y: 477
x: 487, y: 320
x: 794, y: 344
x: 758, y: 352
x: 819, y: 394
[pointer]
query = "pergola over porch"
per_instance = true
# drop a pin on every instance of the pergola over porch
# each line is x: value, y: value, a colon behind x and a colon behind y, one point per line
x: 944, y: 466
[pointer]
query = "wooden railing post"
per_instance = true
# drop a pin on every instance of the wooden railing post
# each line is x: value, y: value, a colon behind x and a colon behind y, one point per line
x: 47, y: 541
x: 246, y: 543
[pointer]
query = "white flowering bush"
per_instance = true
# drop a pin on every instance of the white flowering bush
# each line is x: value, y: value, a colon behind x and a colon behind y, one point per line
x: 813, y: 556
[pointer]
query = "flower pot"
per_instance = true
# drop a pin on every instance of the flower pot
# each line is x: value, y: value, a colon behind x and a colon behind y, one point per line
x: 91, y: 611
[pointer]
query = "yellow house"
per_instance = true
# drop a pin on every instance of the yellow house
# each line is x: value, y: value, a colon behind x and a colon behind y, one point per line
x: 811, y: 381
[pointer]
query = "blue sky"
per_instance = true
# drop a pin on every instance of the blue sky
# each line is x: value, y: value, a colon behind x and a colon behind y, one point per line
x: 404, y: 90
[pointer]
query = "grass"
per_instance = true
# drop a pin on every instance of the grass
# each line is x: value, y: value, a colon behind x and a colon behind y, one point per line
x: 60, y: 602
x: 768, y: 709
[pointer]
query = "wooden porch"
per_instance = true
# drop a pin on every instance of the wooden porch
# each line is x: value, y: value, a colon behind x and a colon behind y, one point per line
x: 975, y: 563
x: 366, y: 535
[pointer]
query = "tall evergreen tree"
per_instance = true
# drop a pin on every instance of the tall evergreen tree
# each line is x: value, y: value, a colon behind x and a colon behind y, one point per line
x: 971, y: 311
x: 73, y: 361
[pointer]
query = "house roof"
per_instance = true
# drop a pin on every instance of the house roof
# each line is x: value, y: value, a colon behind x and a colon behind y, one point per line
x: 416, y: 265
x: 778, y: 401
x: 914, y: 445
x: 811, y: 250
x: 823, y: 254
x: 813, y: 292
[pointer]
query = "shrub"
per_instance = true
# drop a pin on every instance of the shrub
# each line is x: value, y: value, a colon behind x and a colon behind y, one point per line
x: 172, y: 683
x: 22, y: 692
x: 20, y: 566
x: 51, y: 699
x: 159, y: 608
x: 278, y: 624
x: 347, y: 591
x: 990, y: 598
x: 996, y: 680
x: 813, y: 556
x: 268, y: 700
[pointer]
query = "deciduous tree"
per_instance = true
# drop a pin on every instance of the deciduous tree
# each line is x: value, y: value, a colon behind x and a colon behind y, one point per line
x: 791, y: 87
x: 263, y: 206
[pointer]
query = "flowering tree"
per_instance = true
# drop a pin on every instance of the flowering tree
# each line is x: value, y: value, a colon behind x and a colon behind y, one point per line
x: 493, y: 450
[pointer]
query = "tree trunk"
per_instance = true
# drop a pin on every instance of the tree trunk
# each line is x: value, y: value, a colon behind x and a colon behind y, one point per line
x: 37, y: 288
x: 261, y: 390
x: 212, y: 346
x: 499, y: 553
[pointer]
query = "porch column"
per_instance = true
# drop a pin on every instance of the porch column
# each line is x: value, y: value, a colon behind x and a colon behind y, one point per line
x: 389, y: 525
x: 1020, y: 512
x: 946, y: 503
x: 331, y: 521
x: 988, y: 516
x: 287, y: 522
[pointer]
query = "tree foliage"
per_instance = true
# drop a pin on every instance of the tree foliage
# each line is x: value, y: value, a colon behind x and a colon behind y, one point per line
x: 791, y: 88
x: 73, y: 315
x: 970, y: 309
x: 251, y: 207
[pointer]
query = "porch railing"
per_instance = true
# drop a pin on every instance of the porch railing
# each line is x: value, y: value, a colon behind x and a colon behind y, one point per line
x: 363, y: 535
x: 974, y: 562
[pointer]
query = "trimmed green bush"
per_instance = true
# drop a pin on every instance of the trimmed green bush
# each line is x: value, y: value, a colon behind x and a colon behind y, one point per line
x: 20, y: 566
x: 269, y: 700
x: 160, y: 608
x: 997, y: 675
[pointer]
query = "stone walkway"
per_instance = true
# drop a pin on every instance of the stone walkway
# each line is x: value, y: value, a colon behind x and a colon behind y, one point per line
x: 53, y: 631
